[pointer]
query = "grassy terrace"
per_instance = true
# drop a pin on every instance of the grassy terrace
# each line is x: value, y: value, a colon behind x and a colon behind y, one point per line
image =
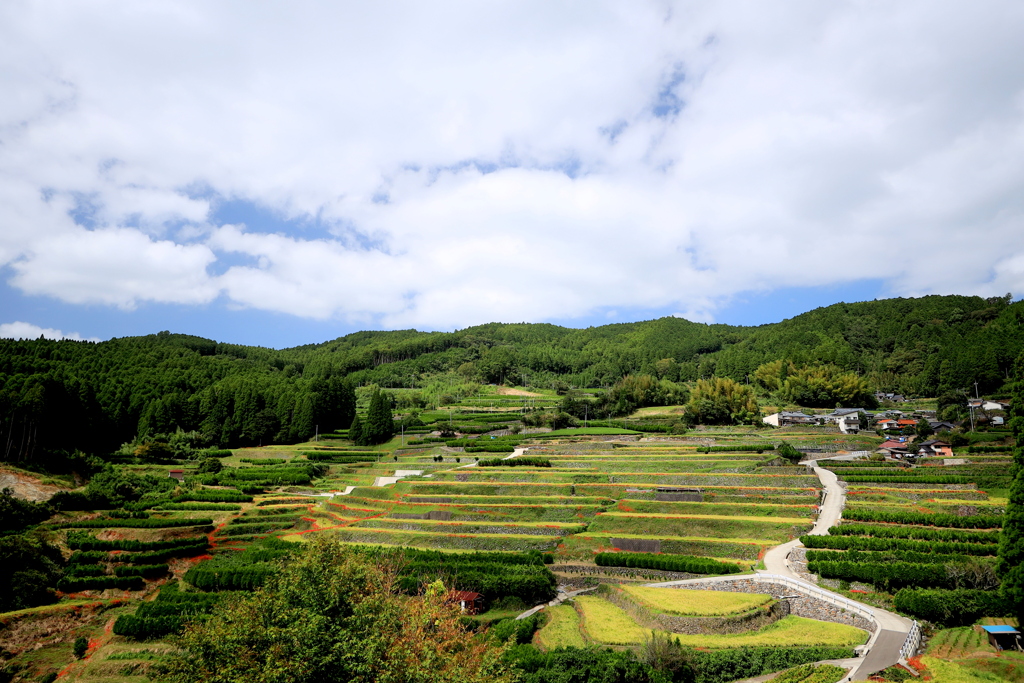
x: 593, y: 493
x: 693, y: 603
x: 603, y: 623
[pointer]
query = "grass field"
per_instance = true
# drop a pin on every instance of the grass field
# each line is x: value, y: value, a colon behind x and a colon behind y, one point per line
x: 693, y: 603
x: 562, y: 629
x: 607, y: 624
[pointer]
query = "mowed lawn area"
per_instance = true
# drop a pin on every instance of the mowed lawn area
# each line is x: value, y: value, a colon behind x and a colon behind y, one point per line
x: 607, y: 624
x: 691, y: 603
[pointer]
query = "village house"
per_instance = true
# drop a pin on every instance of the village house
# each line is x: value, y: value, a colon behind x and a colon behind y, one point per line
x: 787, y: 418
x: 895, y: 448
x: 934, y: 448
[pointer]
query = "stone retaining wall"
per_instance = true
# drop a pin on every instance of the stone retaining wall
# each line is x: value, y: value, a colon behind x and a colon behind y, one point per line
x: 751, y: 620
x: 806, y: 606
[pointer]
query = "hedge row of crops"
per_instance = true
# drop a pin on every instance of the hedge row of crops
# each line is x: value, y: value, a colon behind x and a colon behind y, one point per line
x: 208, y: 507
x: 897, y: 544
x: 844, y: 464
x: 886, y: 574
x: 212, y: 497
x: 245, y: 578
x: 672, y: 563
x: 84, y: 541
x: 153, y: 523
x: 165, y: 615
x: 73, y: 585
x: 738, y: 448
x: 494, y: 575
x: 521, y: 461
x: 860, y: 514
x: 342, y: 458
x: 883, y: 556
x: 923, y: 534
x: 896, y: 479
x: 950, y: 608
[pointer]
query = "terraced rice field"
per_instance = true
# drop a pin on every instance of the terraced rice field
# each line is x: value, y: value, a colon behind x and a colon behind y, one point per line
x: 594, y: 496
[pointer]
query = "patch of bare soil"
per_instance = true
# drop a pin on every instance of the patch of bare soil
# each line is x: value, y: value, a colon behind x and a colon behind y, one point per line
x: 509, y: 391
x: 39, y: 629
x: 26, y: 487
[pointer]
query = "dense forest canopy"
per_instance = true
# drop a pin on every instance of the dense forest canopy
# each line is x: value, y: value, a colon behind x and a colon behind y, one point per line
x: 61, y: 397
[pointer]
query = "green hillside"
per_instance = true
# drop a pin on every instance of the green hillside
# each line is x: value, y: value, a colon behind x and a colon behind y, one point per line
x: 59, y: 397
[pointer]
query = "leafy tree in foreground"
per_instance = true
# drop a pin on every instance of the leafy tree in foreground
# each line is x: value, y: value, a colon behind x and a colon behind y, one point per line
x: 29, y: 569
x: 332, y: 614
x: 1011, y: 540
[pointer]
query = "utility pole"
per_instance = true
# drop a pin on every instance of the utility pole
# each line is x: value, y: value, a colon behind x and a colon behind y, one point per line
x: 316, y: 437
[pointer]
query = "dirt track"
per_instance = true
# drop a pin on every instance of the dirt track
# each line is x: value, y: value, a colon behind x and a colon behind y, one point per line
x: 509, y: 391
x: 26, y: 487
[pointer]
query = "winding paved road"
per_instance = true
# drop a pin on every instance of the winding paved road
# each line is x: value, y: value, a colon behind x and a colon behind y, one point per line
x: 887, y: 641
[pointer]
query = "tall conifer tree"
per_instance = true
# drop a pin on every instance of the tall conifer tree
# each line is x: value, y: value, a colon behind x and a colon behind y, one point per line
x: 355, y: 431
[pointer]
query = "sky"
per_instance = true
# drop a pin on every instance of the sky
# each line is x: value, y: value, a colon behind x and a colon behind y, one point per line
x: 285, y: 173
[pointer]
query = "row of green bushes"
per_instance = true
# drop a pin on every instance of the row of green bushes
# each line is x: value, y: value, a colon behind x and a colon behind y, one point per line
x: 737, y: 448
x: 883, y: 556
x: 521, y: 461
x: 832, y: 464
x: 73, y: 585
x: 212, y: 497
x: 165, y: 615
x: 148, y: 571
x: 923, y: 534
x: 672, y: 563
x: 224, y: 507
x: 863, y: 514
x: 341, y: 457
x: 901, y: 479
x: 152, y: 523
x: 231, y: 578
x: 898, y: 544
x: 950, y: 608
x: 462, y: 443
x: 529, y: 583
x: 491, y: 447
x: 264, y: 462
x: 885, y: 574
x: 989, y: 449
x: 196, y: 547
x: 84, y: 541
x: 419, y: 555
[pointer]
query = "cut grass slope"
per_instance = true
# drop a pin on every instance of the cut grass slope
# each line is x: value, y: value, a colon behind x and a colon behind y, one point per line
x: 691, y: 603
x: 606, y: 624
x: 562, y: 629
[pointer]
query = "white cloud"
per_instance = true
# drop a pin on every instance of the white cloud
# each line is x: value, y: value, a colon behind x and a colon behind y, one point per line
x: 524, y: 171
x: 22, y: 330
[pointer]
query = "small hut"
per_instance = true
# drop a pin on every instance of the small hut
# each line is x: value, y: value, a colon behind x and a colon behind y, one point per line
x: 470, y: 602
x: 177, y: 474
x: 1003, y: 637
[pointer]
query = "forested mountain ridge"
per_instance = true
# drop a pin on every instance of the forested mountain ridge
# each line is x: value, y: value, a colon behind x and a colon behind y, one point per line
x: 914, y: 346
x: 57, y: 397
